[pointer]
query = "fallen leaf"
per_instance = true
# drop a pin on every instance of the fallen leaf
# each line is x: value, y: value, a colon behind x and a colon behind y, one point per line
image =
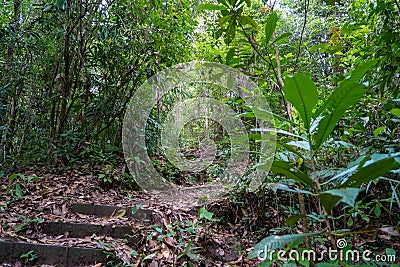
x: 390, y: 230
x: 165, y: 222
x: 64, y: 209
x: 120, y: 213
x: 152, y: 243
x: 170, y: 241
x: 166, y: 252
x: 82, y: 216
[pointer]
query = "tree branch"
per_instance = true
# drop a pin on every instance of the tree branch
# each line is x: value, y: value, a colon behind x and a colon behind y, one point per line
x: 306, y: 5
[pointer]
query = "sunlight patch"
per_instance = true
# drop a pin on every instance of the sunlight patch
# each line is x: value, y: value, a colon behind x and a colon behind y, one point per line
x: 189, y: 108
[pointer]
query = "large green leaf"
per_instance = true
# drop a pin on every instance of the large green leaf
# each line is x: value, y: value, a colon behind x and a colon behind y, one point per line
x: 270, y: 26
x: 230, y: 31
x: 338, y: 102
x: 230, y: 55
x: 247, y: 20
x: 302, y: 93
x: 371, y: 170
x: 224, y: 19
x: 331, y: 198
x: 273, y: 130
x: 210, y: 7
x: 290, y: 148
x: 395, y: 111
x: 265, y: 115
x: 283, y: 167
x: 286, y: 188
x: 359, y: 72
x: 351, y: 79
x: 293, y: 219
x: 274, y: 242
x: 283, y: 37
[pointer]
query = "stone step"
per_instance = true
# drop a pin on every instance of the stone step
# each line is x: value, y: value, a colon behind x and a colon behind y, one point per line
x: 80, y: 230
x: 10, y: 253
x: 140, y: 214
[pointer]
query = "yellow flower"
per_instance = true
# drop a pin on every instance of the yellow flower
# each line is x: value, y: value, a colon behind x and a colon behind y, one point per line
x: 300, y: 162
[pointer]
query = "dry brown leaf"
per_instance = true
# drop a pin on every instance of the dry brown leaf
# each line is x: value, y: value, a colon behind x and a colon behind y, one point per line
x: 166, y: 253
x: 390, y: 230
x: 385, y: 237
x: 45, y: 240
x: 82, y: 216
x: 166, y: 222
x: 170, y: 241
x: 239, y: 260
x: 120, y: 213
x: 152, y: 243
x: 64, y: 209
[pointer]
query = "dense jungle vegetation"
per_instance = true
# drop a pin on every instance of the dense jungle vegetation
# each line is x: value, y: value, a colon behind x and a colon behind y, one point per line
x: 329, y: 69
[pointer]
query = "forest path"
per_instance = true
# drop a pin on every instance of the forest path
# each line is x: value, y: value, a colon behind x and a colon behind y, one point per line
x: 67, y: 219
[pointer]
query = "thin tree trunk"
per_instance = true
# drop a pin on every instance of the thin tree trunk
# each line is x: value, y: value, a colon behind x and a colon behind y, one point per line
x: 7, y: 143
x: 280, y: 80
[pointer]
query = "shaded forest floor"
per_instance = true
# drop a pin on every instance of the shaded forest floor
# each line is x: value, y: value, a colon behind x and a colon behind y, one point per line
x: 161, y: 240
x: 170, y: 237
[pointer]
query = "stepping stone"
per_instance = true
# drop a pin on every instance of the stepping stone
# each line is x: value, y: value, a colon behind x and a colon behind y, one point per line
x: 80, y: 230
x: 10, y: 252
x: 102, y: 210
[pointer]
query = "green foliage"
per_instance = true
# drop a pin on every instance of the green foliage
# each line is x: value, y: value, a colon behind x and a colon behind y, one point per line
x: 107, y: 176
x: 347, y: 73
x: 210, y: 7
x: 302, y: 93
x: 373, y: 167
x: 330, y: 198
x: 19, y: 184
x: 231, y: 16
x: 25, y: 222
x: 68, y: 70
x: 65, y: 83
x: 204, y: 214
x: 330, y: 2
x: 29, y: 257
x: 270, y: 26
x: 189, y: 252
x: 282, y: 167
x: 337, y: 103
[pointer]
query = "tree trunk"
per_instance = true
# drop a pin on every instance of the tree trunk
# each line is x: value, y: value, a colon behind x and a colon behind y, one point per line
x: 13, y: 99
